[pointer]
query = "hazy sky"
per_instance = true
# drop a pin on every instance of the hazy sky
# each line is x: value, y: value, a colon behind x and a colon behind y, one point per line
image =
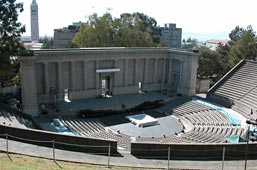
x: 201, y: 19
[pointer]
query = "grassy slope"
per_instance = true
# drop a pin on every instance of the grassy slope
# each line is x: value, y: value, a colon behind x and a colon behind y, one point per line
x: 19, y: 162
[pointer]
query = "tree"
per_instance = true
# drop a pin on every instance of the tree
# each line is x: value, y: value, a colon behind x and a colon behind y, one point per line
x: 10, y: 32
x: 243, y: 48
x: 97, y: 32
x: 243, y: 45
x: 48, y: 43
x: 208, y: 64
x: 237, y: 33
x: 190, y: 43
x: 130, y: 30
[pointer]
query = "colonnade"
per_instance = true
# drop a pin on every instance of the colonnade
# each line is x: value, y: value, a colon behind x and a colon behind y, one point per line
x: 76, y: 70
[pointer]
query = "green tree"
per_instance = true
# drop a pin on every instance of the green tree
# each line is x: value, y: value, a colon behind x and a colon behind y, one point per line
x: 97, y: 32
x: 48, y: 43
x: 208, y: 64
x: 242, y: 45
x: 243, y: 48
x: 130, y: 30
x: 190, y: 43
x: 10, y: 32
x: 225, y: 66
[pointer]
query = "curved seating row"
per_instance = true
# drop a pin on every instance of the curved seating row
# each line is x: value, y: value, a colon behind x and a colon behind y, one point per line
x: 93, y: 128
x: 10, y: 119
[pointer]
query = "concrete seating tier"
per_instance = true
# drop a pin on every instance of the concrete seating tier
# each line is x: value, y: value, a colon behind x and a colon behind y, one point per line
x: 189, y: 107
x: 83, y: 127
x: 199, y: 134
x: 250, y: 99
x: 208, y: 118
x: 199, y: 114
x: 207, y: 126
x: 240, y: 83
x: 14, y: 120
x: 93, y: 128
x: 212, y: 134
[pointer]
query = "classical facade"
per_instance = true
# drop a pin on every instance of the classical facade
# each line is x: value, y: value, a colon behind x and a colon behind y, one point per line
x: 72, y: 74
x: 34, y: 21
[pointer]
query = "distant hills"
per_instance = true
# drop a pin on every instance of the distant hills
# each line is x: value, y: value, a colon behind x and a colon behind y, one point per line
x: 202, y: 37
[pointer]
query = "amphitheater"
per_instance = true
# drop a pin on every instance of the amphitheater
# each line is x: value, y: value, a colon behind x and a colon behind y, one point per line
x: 191, y: 126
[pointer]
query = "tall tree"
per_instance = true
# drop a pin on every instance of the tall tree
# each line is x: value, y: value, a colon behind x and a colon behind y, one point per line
x: 244, y: 48
x: 97, y: 32
x: 10, y: 32
x: 242, y: 45
x: 208, y: 64
x: 130, y: 30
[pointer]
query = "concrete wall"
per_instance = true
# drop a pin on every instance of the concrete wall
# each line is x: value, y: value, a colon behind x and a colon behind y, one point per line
x: 39, y: 135
x: 202, y: 86
x: 191, y: 151
x: 76, y: 70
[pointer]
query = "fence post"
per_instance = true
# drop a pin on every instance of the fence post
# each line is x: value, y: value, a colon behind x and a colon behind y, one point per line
x: 168, y: 158
x: 7, y: 147
x: 109, y: 154
x: 246, y: 147
x: 223, y: 157
x: 53, y: 151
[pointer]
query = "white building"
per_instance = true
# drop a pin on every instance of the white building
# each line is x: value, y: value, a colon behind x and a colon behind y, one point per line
x: 213, y: 44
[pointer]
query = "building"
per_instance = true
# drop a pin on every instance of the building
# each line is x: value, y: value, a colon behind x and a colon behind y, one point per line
x: 34, y: 21
x: 85, y: 73
x: 171, y: 36
x: 213, y: 44
x: 32, y: 45
x: 64, y: 36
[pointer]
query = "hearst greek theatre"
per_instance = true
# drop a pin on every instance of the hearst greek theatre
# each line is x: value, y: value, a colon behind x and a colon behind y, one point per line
x: 55, y: 75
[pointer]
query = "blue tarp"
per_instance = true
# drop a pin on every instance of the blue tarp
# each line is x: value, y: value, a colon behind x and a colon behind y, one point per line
x: 230, y: 117
x: 235, y: 139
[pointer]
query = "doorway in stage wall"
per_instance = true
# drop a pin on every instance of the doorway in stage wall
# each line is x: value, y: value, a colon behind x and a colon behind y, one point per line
x: 105, y: 82
x: 66, y: 95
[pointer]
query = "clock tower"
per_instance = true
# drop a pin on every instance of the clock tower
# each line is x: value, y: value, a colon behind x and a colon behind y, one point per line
x: 34, y: 21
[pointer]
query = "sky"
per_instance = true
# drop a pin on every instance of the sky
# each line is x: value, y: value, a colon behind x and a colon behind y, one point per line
x: 200, y: 19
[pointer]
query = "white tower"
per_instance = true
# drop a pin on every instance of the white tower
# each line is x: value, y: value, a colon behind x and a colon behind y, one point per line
x: 34, y: 21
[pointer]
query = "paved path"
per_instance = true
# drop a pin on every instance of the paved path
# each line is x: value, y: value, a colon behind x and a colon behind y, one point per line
x: 124, y: 160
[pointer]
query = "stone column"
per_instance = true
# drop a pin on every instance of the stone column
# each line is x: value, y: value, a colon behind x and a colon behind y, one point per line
x: 125, y: 79
x: 28, y: 85
x: 170, y: 73
x: 114, y: 74
x: 155, y: 80
x: 164, y: 71
x: 85, y: 74
x: 136, y: 72
x: 97, y: 75
x: 46, y: 79
x: 72, y: 77
x: 145, y: 74
x: 60, y: 87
